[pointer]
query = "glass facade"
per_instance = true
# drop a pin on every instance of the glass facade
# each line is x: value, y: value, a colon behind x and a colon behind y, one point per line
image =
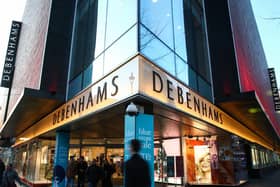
x: 103, y: 38
x: 173, y: 35
x: 170, y: 33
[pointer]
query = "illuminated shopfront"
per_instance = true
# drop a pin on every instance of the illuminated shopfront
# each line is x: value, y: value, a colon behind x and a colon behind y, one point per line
x: 195, y: 128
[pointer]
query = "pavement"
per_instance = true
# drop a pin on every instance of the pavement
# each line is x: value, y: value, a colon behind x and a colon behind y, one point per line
x: 271, y: 179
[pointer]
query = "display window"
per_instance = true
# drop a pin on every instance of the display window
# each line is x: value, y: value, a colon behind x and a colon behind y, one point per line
x: 34, y: 161
x: 168, y: 161
x: 202, y: 160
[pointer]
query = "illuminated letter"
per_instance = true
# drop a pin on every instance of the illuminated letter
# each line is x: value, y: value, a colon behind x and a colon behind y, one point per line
x: 154, y: 82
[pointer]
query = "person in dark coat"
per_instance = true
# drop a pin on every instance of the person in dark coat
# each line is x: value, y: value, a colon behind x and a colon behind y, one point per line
x: 82, y: 167
x: 2, y: 169
x: 137, y: 172
x: 71, y: 172
x: 94, y: 174
x: 10, y: 177
x: 108, y: 171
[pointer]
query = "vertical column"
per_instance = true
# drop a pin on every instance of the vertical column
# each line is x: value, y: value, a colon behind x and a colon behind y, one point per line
x: 141, y: 127
x: 61, y: 158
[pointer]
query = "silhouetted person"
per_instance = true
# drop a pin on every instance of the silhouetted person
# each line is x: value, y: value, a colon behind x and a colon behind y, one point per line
x: 108, y: 170
x: 71, y: 172
x: 2, y: 169
x: 137, y: 172
x: 82, y: 167
x: 10, y: 177
x: 94, y: 174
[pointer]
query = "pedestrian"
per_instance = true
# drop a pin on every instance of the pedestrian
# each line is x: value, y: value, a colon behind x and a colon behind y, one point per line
x: 71, y: 172
x: 94, y: 174
x: 2, y: 169
x: 108, y: 171
x: 137, y: 172
x: 82, y: 167
x: 10, y: 177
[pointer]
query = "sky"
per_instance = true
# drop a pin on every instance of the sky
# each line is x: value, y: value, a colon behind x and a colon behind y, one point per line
x: 269, y: 30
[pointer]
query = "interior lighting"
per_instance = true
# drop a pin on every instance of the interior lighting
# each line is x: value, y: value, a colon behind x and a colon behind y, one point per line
x: 254, y: 110
x: 23, y: 139
x: 154, y: 1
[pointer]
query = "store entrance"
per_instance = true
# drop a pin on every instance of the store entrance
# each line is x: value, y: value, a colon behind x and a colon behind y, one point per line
x: 100, y: 150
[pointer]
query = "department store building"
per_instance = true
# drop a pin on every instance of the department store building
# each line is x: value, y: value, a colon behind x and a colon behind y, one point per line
x: 195, y: 71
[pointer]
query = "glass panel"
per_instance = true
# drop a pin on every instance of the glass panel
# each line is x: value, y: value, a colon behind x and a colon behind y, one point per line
x: 157, y: 16
x: 120, y: 51
x: 182, y: 70
x: 87, y: 76
x: 75, y: 86
x: 192, y: 79
x: 101, y: 23
x: 197, y: 44
x: 156, y: 51
x: 179, y: 29
x: 84, y: 36
x: 121, y: 16
x: 204, y: 88
x: 97, y: 70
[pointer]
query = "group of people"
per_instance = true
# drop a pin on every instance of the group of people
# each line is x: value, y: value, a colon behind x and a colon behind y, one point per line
x: 8, y: 176
x: 98, y: 170
x: 137, y: 172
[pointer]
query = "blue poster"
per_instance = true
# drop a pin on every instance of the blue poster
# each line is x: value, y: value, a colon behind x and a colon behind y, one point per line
x: 141, y: 127
x: 129, y: 134
x: 60, y: 158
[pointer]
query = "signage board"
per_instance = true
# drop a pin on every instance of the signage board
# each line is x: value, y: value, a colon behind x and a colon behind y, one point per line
x: 274, y: 89
x: 10, y: 59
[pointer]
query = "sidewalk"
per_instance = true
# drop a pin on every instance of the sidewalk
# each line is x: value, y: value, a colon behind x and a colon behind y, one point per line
x: 272, y: 179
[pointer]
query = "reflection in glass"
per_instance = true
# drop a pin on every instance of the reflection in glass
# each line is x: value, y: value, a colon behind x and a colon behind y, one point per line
x: 156, y: 51
x: 97, y: 71
x: 192, y: 79
x: 182, y: 70
x: 196, y: 38
x: 100, y: 30
x: 84, y: 36
x: 204, y: 88
x: 87, y: 76
x: 157, y: 17
x: 75, y: 86
x: 121, y: 16
x: 179, y: 29
x: 120, y: 51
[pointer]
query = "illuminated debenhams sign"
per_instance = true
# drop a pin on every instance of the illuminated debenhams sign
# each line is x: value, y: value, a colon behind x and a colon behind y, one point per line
x: 87, y: 100
x: 185, y: 98
x: 154, y: 84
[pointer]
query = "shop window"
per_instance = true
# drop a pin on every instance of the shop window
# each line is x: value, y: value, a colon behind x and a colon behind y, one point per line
x: 202, y: 160
x: 34, y: 162
x: 168, y: 162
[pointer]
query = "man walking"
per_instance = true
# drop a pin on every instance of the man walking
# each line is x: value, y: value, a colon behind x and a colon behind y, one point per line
x: 136, y: 168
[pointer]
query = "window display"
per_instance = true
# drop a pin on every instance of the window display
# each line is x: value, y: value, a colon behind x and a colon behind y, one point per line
x: 166, y: 153
x: 202, y: 162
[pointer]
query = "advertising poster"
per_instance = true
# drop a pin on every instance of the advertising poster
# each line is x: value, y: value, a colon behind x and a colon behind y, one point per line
x: 202, y: 164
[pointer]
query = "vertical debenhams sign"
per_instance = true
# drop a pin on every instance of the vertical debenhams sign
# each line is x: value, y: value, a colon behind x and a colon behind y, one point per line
x: 274, y: 89
x: 10, y: 58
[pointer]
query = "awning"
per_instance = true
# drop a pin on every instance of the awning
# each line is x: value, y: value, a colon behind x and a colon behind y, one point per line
x: 246, y: 108
x: 32, y: 106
